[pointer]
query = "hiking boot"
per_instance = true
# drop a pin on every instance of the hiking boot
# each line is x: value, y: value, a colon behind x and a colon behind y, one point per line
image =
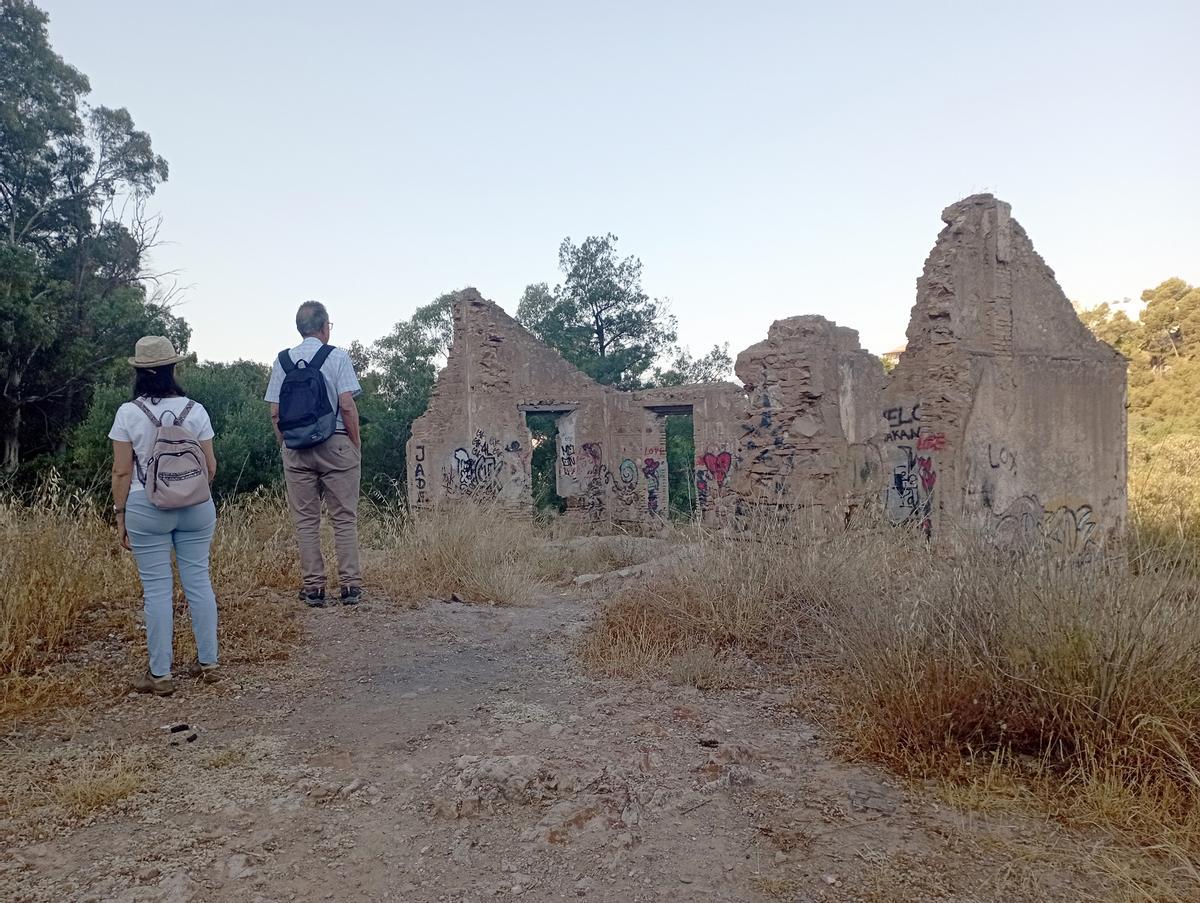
x: 159, y: 686
x: 208, y: 674
x: 313, y: 598
x: 351, y: 595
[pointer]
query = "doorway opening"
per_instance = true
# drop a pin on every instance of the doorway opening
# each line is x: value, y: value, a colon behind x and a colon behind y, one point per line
x: 681, y: 465
x: 543, y: 431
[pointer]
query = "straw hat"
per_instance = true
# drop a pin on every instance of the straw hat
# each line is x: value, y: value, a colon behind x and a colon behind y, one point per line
x: 154, y: 351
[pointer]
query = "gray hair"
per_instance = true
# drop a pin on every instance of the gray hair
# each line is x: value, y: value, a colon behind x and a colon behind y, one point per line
x: 311, y: 318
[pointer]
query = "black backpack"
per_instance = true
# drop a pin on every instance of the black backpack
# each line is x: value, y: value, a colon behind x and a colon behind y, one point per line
x: 306, y: 418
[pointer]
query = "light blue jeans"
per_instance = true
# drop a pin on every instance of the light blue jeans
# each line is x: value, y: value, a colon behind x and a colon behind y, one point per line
x: 152, y: 535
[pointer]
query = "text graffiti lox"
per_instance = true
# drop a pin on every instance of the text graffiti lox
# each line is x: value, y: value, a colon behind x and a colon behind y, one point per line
x: 931, y: 442
x: 1001, y: 458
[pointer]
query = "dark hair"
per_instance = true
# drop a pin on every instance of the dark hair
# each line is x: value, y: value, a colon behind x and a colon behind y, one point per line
x: 156, y: 383
x: 311, y: 318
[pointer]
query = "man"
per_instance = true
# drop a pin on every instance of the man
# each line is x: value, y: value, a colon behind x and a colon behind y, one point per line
x: 329, y: 470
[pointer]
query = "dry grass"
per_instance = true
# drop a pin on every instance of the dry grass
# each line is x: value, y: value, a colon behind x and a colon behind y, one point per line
x: 70, y: 598
x: 1071, y: 686
x: 725, y: 591
x: 478, y: 551
x: 75, y: 781
x: 100, y: 779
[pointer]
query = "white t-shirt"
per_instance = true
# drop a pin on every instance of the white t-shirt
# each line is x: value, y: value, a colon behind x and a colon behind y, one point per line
x: 133, y: 426
x: 338, y: 371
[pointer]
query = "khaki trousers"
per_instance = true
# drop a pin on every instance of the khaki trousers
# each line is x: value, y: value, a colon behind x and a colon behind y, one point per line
x: 329, y: 471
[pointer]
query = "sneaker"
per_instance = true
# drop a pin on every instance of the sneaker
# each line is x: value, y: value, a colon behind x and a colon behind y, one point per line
x: 313, y: 598
x: 351, y: 595
x: 208, y: 674
x: 159, y: 686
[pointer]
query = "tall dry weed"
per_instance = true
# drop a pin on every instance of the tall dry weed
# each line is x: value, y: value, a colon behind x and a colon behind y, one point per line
x: 1083, y: 676
x: 58, y: 561
x: 479, y: 551
x: 757, y: 591
x: 65, y: 584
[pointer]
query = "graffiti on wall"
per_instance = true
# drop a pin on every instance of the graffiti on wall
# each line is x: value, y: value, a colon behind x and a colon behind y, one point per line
x: 597, y: 476
x: 478, y: 470
x: 1064, y: 530
x: 566, y: 460
x: 650, y: 471
x: 1002, y: 458
x: 904, y: 423
x: 909, y: 496
x: 420, y: 482
x: 712, y: 468
x: 624, y: 486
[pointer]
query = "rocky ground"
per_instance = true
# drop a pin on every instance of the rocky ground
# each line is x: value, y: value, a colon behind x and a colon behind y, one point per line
x: 461, y: 753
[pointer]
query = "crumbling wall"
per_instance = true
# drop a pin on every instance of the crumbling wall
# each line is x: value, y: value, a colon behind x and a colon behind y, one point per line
x: 1004, y: 413
x: 610, y: 461
x: 810, y: 431
x: 472, y: 441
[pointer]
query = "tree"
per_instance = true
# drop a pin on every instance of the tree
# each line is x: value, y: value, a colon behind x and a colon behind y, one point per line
x: 1163, y: 349
x: 74, y: 235
x: 244, y: 443
x: 686, y: 370
x: 398, y: 383
x: 599, y: 318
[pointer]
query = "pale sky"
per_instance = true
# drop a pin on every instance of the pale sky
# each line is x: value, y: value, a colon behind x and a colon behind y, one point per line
x: 762, y: 159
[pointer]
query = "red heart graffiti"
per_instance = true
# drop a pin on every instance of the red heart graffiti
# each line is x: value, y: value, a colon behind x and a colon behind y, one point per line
x: 718, y: 465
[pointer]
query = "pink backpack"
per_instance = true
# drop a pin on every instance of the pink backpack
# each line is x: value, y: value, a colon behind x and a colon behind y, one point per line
x: 176, y: 475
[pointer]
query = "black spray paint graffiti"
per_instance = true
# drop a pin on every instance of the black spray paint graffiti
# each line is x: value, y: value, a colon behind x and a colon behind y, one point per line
x: 420, y: 483
x: 566, y: 460
x: 598, y: 475
x: 904, y: 423
x: 909, y: 498
x: 625, y: 486
x: 477, y: 471
x: 1001, y: 458
x: 650, y: 470
x: 1065, y: 531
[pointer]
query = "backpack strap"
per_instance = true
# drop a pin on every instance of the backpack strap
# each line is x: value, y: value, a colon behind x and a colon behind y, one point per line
x: 286, y: 362
x: 318, y: 359
x: 182, y: 415
x: 145, y: 410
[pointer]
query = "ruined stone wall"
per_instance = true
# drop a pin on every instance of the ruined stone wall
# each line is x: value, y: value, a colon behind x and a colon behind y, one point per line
x: 610, y: 462
x: 473, y: 441
x: 810, y: 432
x: 1004, y: 414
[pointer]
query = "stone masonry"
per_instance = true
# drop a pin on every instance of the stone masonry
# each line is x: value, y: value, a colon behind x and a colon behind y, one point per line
x: 1004, y: 415
x: 611, y: 462
x: 811, y: 432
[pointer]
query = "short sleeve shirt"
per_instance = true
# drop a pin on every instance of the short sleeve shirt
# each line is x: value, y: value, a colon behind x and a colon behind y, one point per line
x: 338, y: 371
x: 133, y: 426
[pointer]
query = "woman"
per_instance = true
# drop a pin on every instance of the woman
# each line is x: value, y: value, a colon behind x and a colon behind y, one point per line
x: 151, y: 532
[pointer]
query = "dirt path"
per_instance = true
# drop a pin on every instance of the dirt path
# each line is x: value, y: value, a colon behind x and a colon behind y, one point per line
x: 458, y: 753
